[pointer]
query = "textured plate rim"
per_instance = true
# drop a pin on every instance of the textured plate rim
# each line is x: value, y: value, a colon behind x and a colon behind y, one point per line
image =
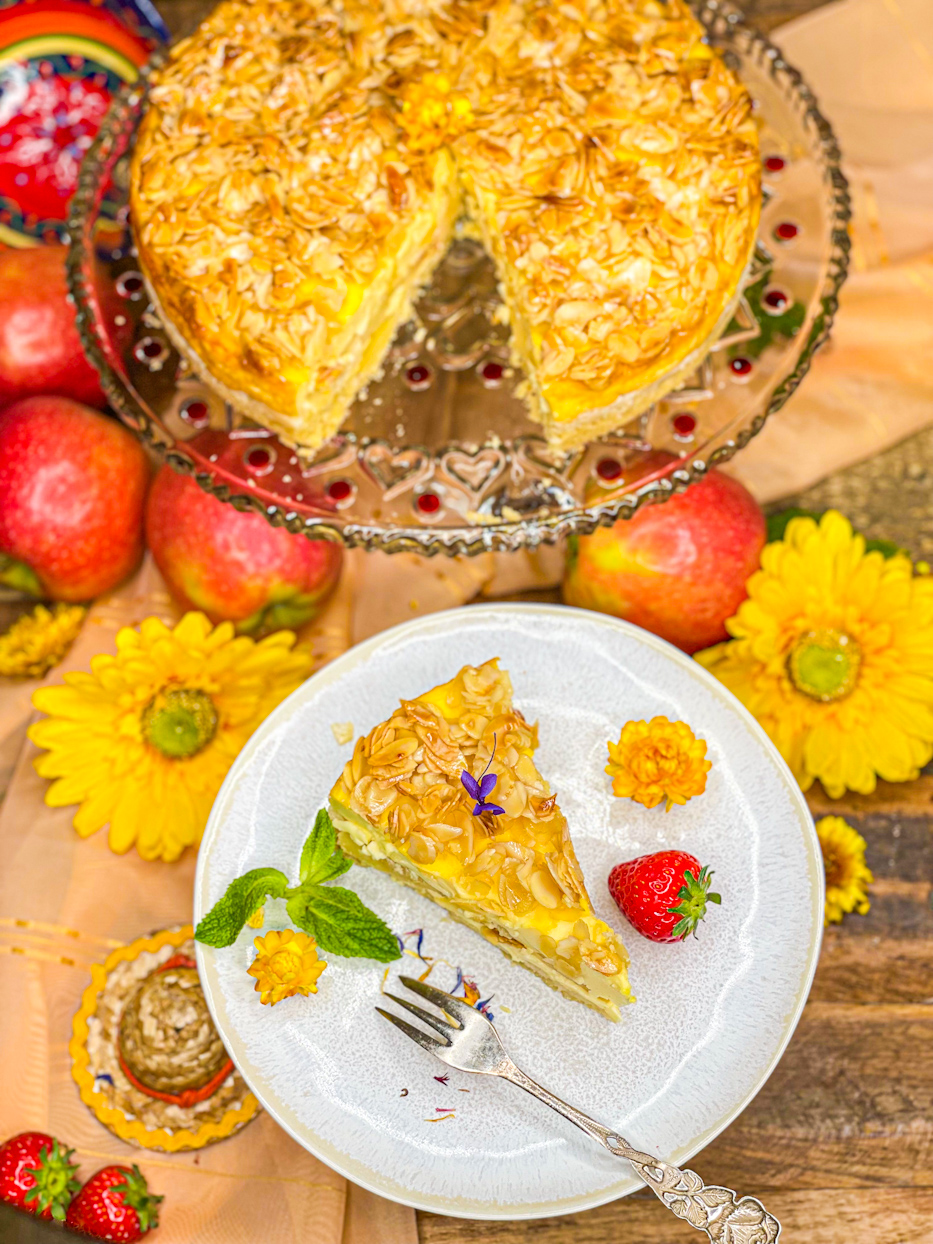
x: 355, y: 1169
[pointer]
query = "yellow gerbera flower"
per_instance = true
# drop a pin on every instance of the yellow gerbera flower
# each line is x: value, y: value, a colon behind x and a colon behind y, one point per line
x: 847, y: 876
x: 286, y: 963
x: 658, y: 759
x: 833, y: 653
x: 38, y: 640
x: 144, y: 741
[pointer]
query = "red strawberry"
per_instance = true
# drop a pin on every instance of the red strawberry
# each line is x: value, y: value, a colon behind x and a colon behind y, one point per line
x: 37, y: 1175
x: 115, y: 1204
x: 664, y: 895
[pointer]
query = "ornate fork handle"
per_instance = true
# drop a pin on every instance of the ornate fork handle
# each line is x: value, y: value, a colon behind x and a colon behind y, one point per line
x: 725, y: 1218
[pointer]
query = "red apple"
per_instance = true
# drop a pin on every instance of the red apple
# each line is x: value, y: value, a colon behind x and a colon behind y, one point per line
x: 72, y: 489
x: 40, y: 350
x: 678, y: 568
x: 235, y: 566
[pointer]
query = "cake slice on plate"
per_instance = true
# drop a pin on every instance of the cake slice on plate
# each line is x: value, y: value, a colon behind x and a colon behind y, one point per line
x: 417, y: 799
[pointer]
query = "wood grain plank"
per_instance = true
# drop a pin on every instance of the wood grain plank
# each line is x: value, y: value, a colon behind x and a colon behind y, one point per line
x: 850, y: 1103
x: 871, y: 968
x: 834, y: 1216
x: 889, y: 798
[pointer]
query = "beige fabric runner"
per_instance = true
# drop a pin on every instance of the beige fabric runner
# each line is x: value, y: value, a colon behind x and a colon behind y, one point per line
x: 65, y: 903
x: 870, y: 63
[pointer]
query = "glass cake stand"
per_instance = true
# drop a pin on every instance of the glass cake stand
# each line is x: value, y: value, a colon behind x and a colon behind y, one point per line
x: 439, y: 456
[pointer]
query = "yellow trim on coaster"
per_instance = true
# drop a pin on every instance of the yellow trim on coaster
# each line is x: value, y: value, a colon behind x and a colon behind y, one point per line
x: 134, y: 1131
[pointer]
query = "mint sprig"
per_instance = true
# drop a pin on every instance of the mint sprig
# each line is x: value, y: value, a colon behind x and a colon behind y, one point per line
x: 321, y: 859
x: 336, y: 918
x: 339, y: 922
x: 222, y: 924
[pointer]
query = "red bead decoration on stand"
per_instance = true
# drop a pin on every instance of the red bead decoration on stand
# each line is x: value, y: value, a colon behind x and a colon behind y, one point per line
x: 427, y: 503
x: 195, y: 412
x: 150, y: 351
x: 259, y: 459
x: 418, y: 377
x: 775, y: 301
x: 684, y: 426
x: 491, y: 374
x: 786, y: 231
x: 608, y: 469
x: 339, y: 490
x: 130, y: 285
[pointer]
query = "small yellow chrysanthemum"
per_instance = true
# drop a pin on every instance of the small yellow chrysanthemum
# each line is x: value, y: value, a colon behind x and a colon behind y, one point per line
x: 833, y: 653
x: 431, y: 115
x: 144, y: 741
x: 286, y: 963
x: 38, y: 640
x: 658, y: 759
x: 847, y: 876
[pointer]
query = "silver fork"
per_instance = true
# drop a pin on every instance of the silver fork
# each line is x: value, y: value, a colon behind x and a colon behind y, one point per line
x: 468, y: 1041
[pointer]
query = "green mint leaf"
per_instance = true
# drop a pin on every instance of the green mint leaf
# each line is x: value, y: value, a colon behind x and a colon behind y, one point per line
x: 321, y: 858
x: 319, y: 847
x: 222, y: 924
x: 336, y: 866
x: 339, y: 922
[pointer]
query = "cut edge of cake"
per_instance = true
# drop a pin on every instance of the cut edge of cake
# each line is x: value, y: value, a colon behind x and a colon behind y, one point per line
x: 315, y: 416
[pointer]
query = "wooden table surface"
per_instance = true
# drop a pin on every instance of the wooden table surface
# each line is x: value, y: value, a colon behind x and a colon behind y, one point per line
x: 839, y: 1142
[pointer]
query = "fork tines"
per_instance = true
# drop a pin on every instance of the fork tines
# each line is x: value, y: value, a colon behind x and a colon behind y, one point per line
x: 445, y: 1025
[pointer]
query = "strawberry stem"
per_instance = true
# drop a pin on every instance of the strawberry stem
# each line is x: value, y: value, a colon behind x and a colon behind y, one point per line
x: 56, y: 1182
x: 693, y: 896
x: 136, y: 1194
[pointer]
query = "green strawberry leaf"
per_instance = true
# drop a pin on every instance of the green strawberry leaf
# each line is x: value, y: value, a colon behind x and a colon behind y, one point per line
x: 693, y: 896
x: 339, y: 922
x: 55, y: 1182
x: 135, y: 1193
x: 222, y: 924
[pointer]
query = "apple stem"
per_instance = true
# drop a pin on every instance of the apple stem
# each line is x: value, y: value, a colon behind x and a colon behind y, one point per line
x: 19, y: 576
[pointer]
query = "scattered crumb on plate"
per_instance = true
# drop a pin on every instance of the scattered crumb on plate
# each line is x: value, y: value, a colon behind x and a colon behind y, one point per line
x: 343, y: 731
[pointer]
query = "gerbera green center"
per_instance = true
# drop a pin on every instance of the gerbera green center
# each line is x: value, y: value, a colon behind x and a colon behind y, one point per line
x: 824, y: 664
x: 179, y: 723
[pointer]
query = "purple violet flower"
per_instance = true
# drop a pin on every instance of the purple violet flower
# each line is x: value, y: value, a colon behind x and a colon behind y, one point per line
x: 479, y: 790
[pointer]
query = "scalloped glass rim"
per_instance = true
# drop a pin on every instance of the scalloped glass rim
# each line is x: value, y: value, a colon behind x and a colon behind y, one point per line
x: 725, y: 25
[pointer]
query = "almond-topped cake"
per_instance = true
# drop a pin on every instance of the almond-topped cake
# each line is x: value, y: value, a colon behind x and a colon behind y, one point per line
x: 303, y: 165
x: 446, y: 798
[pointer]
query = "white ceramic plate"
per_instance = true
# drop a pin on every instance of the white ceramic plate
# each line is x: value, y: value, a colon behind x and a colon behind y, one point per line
x: 713, y: 1015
